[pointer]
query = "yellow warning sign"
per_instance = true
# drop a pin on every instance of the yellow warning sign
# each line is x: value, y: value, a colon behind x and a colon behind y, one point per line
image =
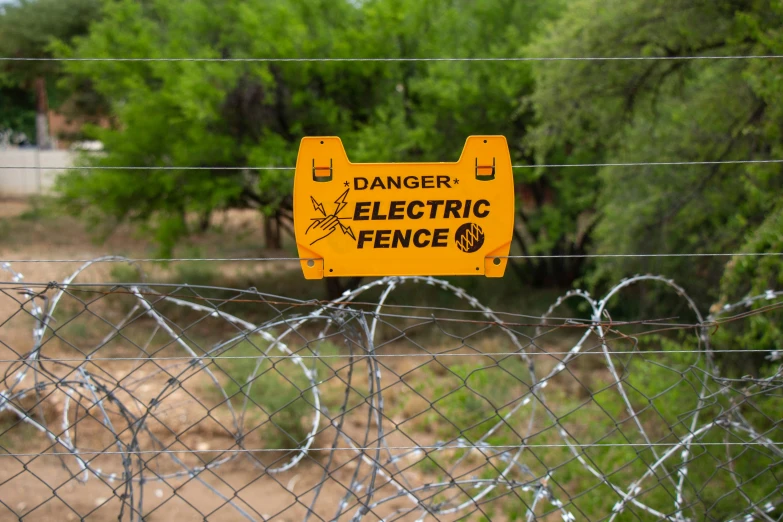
x: 379, y: 219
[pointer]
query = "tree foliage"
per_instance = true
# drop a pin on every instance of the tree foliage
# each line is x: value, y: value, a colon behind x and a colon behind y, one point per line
x: 248, y: 115
x: 661, y: 111
x: 28, y: 27
x: 27, y: 30
x: 243, y: 115
x: 17, y: 110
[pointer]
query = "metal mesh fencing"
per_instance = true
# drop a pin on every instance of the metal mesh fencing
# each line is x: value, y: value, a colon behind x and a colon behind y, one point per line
x: 142, y: 401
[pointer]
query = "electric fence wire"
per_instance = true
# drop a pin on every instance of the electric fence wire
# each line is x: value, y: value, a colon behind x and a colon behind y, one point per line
x: 273, y: 259
x: 524, y: 426
x: 388, y: 480
x: 545, y: 166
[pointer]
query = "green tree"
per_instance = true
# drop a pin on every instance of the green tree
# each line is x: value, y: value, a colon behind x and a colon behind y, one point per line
x: 27, y: 29
x: 225, y: 115
x: 665, y: 110
x: 243, y: 115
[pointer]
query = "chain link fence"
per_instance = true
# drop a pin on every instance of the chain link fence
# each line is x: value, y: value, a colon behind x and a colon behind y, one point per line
x: 141, y: 401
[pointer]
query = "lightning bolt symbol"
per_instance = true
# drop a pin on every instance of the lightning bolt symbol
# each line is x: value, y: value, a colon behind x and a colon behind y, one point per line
x: 317, y: 206
x: 347, y: 230
x: 341, y: 204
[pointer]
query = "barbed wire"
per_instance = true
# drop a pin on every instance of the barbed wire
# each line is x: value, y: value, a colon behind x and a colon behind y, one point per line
x: 388, y: 355
x: 564, y: 322
x: 643, y: 432
x: 372, y: 448
x: 159, y: 287
x: 447, y: 456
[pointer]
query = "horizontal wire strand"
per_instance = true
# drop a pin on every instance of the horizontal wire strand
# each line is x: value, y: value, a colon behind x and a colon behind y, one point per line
x: 152, y: 168
x: 561, y: 165
x: 373, y: 355
x: 647, y: 164
x: 336, y: 305
x: 266, y: 259
x: 401, y: 448
x: 400, y: 59
x: 549, y: 321
x: 156, y: 260
x: 566, y: 256
x: 439, y: 447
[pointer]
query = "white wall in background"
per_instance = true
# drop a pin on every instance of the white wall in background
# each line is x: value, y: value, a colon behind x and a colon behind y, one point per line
x: 31, y: 181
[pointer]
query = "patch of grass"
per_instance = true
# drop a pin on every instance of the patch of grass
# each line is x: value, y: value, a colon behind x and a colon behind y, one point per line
x: 14, y: 433
x: 124, y: 273
x: 76, y: 329
x: 663, y: 390
x: 5, y: 229
x: 41, y: 207
x: 202, y: 273
x: 278, y: 390
x: 469, y: 399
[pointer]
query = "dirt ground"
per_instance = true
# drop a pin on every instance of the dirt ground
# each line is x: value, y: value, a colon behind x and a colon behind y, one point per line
x: 43, y: 488
x: 32, y: 231
x: 47, y: 487
x: 143, y: 387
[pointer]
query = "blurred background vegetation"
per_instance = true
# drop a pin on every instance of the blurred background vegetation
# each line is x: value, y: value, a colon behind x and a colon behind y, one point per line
x: 237, y: 114
x: 253, y: 114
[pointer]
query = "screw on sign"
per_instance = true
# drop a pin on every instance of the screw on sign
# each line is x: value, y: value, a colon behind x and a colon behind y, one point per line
x: 380, y: 219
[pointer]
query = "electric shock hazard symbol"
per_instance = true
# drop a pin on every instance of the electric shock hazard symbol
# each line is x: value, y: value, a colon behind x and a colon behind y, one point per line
x: 324, y: 226
x: 469, y: 237
x: 379, y: 219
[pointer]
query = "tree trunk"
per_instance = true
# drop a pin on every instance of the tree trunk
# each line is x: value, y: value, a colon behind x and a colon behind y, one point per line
x: 42, y: 137
x: 278, y: 231
x: 335, y: 286
x: 272, y: 232
x: 204, y: 221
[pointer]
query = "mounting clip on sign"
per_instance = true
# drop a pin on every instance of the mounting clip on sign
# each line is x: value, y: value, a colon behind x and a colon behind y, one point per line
x: 379, y: 219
